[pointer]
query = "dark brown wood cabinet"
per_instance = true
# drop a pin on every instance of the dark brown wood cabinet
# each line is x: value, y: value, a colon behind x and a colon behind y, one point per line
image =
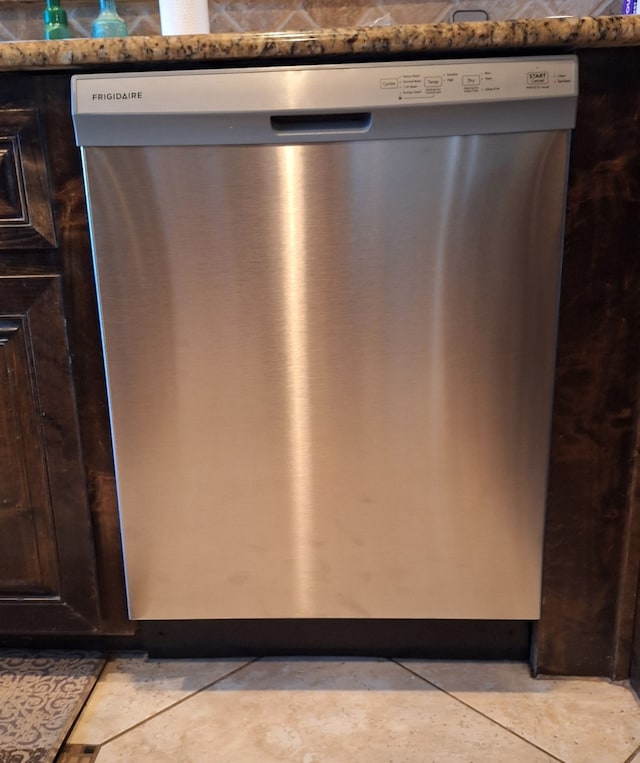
x: 45, y: 532
x: 592, y: 544
x: 58, y: 531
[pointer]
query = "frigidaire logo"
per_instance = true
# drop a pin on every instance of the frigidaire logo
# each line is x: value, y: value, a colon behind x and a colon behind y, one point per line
x: 117, y: 96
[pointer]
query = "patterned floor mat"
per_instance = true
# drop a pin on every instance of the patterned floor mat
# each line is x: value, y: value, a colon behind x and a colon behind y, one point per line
x: 41, y: 695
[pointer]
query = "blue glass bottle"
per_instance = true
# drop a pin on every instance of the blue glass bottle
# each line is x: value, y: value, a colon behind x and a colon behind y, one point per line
x: 109, y: 23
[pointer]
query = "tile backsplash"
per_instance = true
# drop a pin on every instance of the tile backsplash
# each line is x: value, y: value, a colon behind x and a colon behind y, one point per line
x: 22, y: 19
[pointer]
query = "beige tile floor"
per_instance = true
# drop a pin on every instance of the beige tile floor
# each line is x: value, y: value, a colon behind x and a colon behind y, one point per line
x: 330, y: 710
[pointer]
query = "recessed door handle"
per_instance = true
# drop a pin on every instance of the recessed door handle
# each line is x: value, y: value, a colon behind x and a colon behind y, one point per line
x: 331, y: 122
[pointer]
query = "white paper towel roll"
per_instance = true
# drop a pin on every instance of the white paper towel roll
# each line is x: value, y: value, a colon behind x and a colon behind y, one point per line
x: 184, y: 16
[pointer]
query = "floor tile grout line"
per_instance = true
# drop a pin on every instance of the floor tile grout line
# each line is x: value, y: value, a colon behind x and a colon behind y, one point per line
x: 479, y: 712
x: 632, y: 756
x: 179, y: 702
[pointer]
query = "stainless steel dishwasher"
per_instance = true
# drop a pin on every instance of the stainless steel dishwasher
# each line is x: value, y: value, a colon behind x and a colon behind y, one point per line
x: 328, y: 300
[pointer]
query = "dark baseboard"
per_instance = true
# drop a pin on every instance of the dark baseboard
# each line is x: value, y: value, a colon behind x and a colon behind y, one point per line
x: 432, y: 639
x: 429, y: 639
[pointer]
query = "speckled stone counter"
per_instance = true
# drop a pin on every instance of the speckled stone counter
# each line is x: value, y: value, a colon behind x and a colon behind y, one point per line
x: 425, y: 40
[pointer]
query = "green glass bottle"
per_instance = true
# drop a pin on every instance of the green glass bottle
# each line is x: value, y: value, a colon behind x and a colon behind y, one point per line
x: 55, y: 21
x: 109, y: 23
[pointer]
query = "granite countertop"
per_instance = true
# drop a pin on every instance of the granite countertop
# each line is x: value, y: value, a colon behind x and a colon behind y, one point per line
x: 426, y: 39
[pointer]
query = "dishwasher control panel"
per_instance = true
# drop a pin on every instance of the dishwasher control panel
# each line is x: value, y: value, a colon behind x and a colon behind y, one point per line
x: 343, y: 86
x: 319, y: 103
x: 482, y: 80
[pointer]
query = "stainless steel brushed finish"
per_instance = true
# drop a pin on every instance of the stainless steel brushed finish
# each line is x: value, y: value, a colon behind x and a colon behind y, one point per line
x: 330, y: 373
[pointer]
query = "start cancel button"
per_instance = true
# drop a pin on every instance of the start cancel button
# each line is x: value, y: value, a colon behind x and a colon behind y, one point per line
x: 537, y: 78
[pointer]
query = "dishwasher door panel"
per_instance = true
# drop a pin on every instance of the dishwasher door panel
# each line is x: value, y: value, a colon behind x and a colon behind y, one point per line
x: 330, y: 384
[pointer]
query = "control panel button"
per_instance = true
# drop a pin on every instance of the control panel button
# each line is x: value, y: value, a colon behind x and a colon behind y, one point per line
x: 537, y: 78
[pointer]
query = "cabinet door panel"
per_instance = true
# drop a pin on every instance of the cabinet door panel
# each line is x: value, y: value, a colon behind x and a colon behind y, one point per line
x: 26, y: 561
x: 45, y: 535
x: 26, y: 217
